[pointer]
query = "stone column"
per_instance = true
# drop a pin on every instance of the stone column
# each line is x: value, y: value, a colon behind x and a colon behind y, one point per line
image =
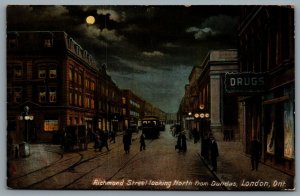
x: 215, y: 101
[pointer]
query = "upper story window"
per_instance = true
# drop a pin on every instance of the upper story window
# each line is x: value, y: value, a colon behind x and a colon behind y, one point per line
x: 48, y: 43
x: 12, y: 43
x: 92, y: 85
x: 52, y: 73
x: 42, y: 95
x: 42, y: 73
x: 87, y: 83
x: 71, y: 74
x: 18, y: 72
x: 52, y: 94
x: 123, y: 100
x: 17, y: 95
x: 79, y: 79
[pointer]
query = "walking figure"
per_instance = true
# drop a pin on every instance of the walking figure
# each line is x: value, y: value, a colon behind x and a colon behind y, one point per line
x: 142, y: 142
x: 181, y: 142
x: 112, y: 136
x: 126, y: 142
x: 214, y: 152
x: 103, y: 141
x: 255, y: 153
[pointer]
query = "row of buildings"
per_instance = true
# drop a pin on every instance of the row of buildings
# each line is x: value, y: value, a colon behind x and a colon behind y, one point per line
x: 52, y: 82
x: 249, y: 92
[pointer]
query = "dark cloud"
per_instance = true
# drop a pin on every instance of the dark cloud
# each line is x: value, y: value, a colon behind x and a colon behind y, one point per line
x: 149, y: 49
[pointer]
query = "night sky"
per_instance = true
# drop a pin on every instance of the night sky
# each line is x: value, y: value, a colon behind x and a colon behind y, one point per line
x: 148, y: 49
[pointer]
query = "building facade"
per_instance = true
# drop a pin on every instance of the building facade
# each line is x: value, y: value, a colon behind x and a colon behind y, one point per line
x: 49, y: 73
x: 206, y: 104
x: 267, y: 49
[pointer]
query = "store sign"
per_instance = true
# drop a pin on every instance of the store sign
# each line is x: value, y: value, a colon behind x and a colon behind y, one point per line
x: 245, y: 82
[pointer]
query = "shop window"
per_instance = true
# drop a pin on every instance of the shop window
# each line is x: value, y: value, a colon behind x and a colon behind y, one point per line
x: 17, y: 95
x: 52, y: 73
x: 42, y: 73
x: 52, y: 94
x: 51, y: 125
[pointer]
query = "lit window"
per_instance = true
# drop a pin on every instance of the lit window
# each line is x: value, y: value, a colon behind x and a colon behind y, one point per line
x: 48, y: 43
x: 42, y: 73
x: 18, y: 72
x: 52, y: 95
x: 79, y: 100
x: 87, y: 83
x: 92, y: 103
x: 124, y: 111
x: 123, y: 100
x: 70, y: 74
x: 75, y: 99
x: 75, y: 76
x: 42, y: 95
x: 79, y: 79
x: 92, y: 86
x: 52, y: 73
x: 71, y: 98
x: 51, y: 125
x: 17, y: 95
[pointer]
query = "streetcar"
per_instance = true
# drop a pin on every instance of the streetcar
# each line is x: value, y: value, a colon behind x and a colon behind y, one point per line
x: 150, y: 127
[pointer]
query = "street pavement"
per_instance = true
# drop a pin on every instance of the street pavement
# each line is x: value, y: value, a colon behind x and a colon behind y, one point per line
x: 234, y: 167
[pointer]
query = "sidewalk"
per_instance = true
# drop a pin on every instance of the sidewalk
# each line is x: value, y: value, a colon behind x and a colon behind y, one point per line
x: 234, y: 166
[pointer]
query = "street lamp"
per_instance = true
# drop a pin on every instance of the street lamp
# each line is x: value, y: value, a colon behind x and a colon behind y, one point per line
x: 24, y: 146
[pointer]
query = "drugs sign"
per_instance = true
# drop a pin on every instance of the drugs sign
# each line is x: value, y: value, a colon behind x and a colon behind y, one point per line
x: 245, y: 82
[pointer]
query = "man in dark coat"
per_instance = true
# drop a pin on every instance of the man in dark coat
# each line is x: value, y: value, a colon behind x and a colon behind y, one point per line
x: 255, y: 153
x: 214, y: 153
x: 181, y: 142
x: 126, y: 142
x: 142, y: 142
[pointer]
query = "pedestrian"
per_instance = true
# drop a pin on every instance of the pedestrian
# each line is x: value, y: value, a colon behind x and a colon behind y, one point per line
x: 96, y: 143
x: 255, y: 153
x: 142, y: 142
x: 205, y: 147
x: 181, y: 142
x: 112, y: 136
x: 195, y: 135
x: 103, y: 140
x: 126, y: 142
x: 214, y: 152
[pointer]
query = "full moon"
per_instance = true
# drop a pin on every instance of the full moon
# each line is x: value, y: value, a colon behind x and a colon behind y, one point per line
x: 90, y: 19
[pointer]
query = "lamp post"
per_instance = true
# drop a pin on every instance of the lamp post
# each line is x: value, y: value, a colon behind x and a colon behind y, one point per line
x: 24, y: 146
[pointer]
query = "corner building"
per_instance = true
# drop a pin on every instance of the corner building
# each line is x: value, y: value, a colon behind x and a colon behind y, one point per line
x: 55, y: 77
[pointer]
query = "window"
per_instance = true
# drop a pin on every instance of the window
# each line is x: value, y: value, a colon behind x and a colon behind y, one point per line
x: 52, y: 73
x: 52, y: 94
x: 124, y: 111
x: 18, y: 72
x: 42, y: 73
x: 75, y: 99
x: 123, y: 100
x: 17, y: 95
x: 51, y: 125
x: 12, y: 43
x: 79, y: 79
x: 87, y: 83
x: 42, y: 95
x: 92, y: 85
x: 75, y: 76
x: 71, y: 98
x: 70, y: 74
x: 79, y: 100
x: 92, y: 103
x: 48, y: 43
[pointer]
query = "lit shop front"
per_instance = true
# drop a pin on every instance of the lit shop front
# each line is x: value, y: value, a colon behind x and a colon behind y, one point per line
x: 268, y: 113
